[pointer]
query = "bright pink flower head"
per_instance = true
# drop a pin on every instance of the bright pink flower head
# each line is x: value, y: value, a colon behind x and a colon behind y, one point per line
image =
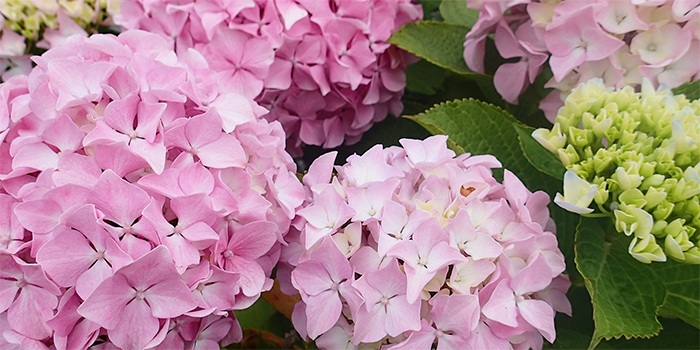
x: 323, y: 69
x: 129, y: 183
x: 401, y: 237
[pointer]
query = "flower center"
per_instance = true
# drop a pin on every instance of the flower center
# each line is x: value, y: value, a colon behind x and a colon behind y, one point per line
x: 200, y: 287
x: 439, y: 333
x: 422, y: 262
x: 330, y: 224
x: 461, y: 246
x: 99, y: 255
x: 384, y: 301
x: 228, y: 254
x: 177, y: 230
x: 651, y: 47
x: 21, y: 283
x: 334, y: 287
x: 371, y: 212
x: 140, y: 295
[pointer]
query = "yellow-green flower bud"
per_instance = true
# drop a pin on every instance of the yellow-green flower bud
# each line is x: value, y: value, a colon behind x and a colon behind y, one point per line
x: 653, y: 198
x: 692, y: 256
x: 633, y: 198
x: 551, y: 140
x: 633, y: 220
x: 602, y: 195
x: 646, y: 250
x: 568, y: 155
x: 627, y: 179
x: 663, y: 210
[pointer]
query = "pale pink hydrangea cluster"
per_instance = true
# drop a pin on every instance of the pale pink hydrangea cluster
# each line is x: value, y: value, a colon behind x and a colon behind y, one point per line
x: 322, y: 67
x: 620, y: 41
x: 44, y: 24
x: 139, y: 205
x: 406, y: 247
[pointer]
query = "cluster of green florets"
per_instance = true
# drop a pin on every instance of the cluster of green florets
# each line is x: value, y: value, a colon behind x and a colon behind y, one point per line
x: 639, y: 156
x: 31, y: 18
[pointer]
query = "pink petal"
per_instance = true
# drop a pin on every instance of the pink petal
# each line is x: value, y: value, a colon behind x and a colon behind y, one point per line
x: 322, y: 312
x: 540, y: 315
x: 105, y: 306
x: 30, y: 311
x: 136, y: 326
x: 224, y: 152
x: 66, y: 256
x: 501, y: 306
x: 170, y: 298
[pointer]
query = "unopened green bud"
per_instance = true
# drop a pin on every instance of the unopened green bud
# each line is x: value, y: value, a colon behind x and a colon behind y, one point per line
x: 579, y: 137
x: 673, y: 249
x: 652, y: 181
x: 653, y: 198
x: 646, y: 169
x: 632, y: 198
x: 663, y: 210
x: 633, y: 220
x: 568, y: 155
x: 551, y: 140
x: 602, y: 195
x: 627, y: 179
x: 646, y: 250
x: 692, y: 256
x: 658, y: 228
x: 674, y: 227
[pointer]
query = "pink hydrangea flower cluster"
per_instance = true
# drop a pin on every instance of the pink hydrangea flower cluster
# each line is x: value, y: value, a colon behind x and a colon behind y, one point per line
x: 322, y: 68
x: 139, y: 206
x: 44, y: 24
x: 411, y: 246
x: 620, y: 41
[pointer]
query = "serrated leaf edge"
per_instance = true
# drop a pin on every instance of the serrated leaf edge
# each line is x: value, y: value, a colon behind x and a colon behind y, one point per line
x: 525, y: 154
x: 587, y: 282
x: 468, y: 73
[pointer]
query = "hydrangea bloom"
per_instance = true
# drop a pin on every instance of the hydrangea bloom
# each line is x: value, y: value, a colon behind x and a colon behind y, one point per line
x: 322, y: 68
x: 45, y: 23
x: 620, y: 41
x: 408, y: 246
x: 139, y: 206
x: 636, y: 155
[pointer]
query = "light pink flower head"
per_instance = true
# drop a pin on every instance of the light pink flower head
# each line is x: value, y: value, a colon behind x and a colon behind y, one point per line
x: 135, y: 195
x: 620, y: 41
x: 399, y: 238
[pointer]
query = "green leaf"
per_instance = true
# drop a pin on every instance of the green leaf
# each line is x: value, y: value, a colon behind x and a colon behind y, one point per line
x: 691, y: 90
x: 682, y: 282
x: 424, y: 77
x: 256, y: 316
x: 675, y: 335
x: 540, y: 157
x: 456, y: 12
x: 625, y: 292
x: 440, y: 43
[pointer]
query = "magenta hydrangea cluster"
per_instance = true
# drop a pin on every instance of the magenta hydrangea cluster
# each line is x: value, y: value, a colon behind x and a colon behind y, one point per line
x: 322, y: 68
x: 620, y: 41
x: 408, y: 246
x: 139, y: 205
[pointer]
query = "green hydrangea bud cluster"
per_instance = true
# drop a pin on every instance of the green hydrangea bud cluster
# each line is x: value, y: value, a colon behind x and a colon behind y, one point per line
x: 637, y: 156
x: 31, y: 18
